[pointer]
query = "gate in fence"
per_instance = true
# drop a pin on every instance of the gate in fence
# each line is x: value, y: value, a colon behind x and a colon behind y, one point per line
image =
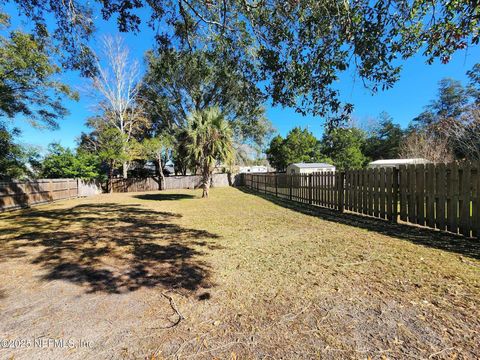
x: 440, y: 196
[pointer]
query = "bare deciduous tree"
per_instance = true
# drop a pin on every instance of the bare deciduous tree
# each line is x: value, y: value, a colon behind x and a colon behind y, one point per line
x: 464, y: 134
x: 117, y: 87
x: 426, y: 145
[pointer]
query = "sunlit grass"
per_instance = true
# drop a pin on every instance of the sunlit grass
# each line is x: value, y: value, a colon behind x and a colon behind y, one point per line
x: 274, y: 280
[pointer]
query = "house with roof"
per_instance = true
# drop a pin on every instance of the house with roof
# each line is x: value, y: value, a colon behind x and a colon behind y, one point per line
x: 253, y: 169
x: 309, y: 168
x: 395, y: 163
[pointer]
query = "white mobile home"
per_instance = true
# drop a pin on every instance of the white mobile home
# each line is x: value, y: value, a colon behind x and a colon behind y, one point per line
x: 309, y: 168
x: 395, y: 163
x: 253, y: 169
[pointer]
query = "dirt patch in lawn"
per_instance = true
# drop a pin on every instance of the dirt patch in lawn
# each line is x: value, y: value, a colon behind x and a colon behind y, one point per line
x: 170, y: 275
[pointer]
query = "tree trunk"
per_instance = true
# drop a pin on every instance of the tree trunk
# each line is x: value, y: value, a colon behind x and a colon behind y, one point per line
x: 125, y: 169
x: 160, y: 173
x: 206, y: 176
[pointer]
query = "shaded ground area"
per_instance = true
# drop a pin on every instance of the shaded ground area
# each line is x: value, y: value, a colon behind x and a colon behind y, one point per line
x: 170, y: 275
x: 109, y: 247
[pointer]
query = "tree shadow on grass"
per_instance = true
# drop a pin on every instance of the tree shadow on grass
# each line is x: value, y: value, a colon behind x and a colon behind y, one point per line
x: 164, y: 197
x: 418, y: 235
x: 111, y: 248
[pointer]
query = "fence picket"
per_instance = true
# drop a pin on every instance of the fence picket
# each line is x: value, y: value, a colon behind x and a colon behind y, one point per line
x: 430, y: 193
x: 327, y: 191
x: 403, y: 185
x: 465, y: 202
x: 389, y: 193
x: 365, y: 197
x: 420, y: 193
x: 340, y: 186
x: 382, y: 189
x: 441, y: 189
x: 453, y: 198
x: 358, y: 198
x: 355, y: 190
x: 412, y: 215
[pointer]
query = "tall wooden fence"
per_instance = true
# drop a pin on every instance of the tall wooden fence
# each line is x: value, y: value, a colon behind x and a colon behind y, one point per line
x: 439, y: 196
x: 16, y: 194
x: 171, y: 182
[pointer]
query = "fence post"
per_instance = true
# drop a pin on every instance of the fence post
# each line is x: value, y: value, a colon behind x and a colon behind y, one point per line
x: 310, y: 189
x: 276, y: 184
x: 340, y: 189
x: 50, y: 189
x: 289, y: 177
x: 396, y: 190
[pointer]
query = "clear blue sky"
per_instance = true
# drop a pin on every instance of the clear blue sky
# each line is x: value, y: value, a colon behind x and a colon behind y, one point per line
x: 417, y: 86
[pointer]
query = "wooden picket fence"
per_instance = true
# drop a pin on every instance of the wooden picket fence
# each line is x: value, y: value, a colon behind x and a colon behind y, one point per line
x: 439, y: 196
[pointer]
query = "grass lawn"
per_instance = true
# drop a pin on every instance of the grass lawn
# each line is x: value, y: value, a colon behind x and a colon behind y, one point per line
x: 169, y: 275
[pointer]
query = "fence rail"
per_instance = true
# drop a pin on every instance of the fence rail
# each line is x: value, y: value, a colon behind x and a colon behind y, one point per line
x: 440, y: 196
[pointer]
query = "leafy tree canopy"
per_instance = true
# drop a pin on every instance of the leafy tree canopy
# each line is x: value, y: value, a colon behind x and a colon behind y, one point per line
x: 344, y: 146
x: 297, y: 47
x: 62, y: 162
x: 14, y: 158
x: 27, y: 79
x: 300, y: 145
x: 110, y: 146
x: 277, y: 154
x: 384, y: 140
x: 180, y: 82
x: 157, y: 149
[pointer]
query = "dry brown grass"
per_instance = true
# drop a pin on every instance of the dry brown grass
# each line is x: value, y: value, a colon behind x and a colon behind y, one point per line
x: 170, y: 275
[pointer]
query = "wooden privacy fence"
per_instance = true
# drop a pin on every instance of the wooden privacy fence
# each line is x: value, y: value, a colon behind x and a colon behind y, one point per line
x: 171, y: 182
x: 439, y: 196
x: 316, y: 189
x: 16, y: 194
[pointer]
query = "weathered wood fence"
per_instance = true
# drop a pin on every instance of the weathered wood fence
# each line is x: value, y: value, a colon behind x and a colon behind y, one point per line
x: 439, y: 196
x: 16, y: 194
x: 171, y: 182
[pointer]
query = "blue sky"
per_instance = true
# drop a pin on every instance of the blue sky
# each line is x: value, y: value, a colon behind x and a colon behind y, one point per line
x: 417, y: 86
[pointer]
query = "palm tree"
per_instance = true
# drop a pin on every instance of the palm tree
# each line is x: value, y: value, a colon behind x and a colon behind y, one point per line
x: 209, y: 142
